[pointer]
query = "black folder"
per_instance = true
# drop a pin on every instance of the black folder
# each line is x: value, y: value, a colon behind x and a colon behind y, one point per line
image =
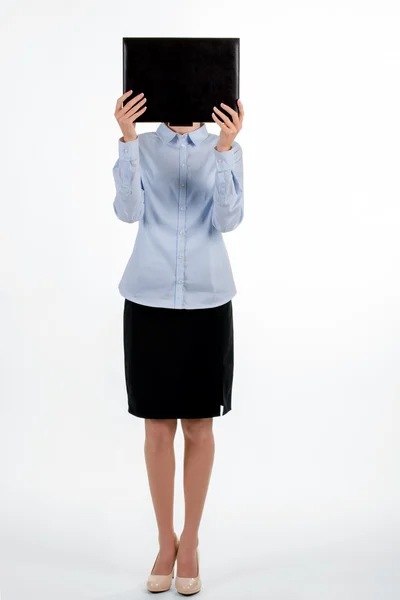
x: 182, y: 78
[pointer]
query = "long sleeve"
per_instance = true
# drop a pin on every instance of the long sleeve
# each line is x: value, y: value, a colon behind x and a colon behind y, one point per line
x: 228, y: 191
x: 129, y: 199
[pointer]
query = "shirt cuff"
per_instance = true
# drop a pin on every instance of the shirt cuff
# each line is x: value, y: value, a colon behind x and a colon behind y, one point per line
x: 224, y: 160
x: 128, y: 150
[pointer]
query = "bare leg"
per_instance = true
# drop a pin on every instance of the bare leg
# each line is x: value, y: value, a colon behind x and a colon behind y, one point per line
x: 160, y: 463
x: 198, y: 462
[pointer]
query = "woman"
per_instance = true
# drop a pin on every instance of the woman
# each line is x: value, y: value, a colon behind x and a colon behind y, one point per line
x: 185, y: 188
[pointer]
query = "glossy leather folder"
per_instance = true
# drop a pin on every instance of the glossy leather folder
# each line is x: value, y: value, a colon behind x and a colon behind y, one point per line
x: 181, y: 78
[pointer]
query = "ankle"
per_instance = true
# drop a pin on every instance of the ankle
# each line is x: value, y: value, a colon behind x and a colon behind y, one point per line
x: 189, y: 539
x: 166, y: 538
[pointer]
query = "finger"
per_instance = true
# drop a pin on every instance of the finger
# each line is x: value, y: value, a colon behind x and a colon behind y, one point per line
x: 225, y: 119
x: 134, y: 116
x: 232, y: 112
x: 229, y: 109
x: 241, y: 110
x: 123, y: 97
x: 131, y: 104
x: 220, y: 123
x: 134, y: 108
x: 124, y: 109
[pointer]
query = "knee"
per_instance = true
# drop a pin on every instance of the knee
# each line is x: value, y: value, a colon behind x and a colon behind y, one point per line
x: 197, y: 430
x: 160, y: 432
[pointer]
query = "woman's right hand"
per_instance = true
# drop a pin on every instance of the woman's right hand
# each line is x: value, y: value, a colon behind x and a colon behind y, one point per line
x: 126, y: 115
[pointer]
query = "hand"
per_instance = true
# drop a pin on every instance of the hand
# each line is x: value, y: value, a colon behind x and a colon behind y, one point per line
x: 229, y: 129
x: 126, y: 115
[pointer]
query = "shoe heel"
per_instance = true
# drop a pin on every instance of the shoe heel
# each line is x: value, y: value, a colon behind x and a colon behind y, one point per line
x: 161, y: 583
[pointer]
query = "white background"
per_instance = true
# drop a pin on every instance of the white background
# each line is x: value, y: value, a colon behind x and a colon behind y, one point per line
x: 304, y: 498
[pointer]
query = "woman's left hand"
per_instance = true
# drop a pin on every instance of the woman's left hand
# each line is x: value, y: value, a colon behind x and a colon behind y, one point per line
x: 229, y: 129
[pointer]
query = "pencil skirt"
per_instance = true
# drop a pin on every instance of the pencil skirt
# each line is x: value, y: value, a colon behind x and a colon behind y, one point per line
x: 178, y: 362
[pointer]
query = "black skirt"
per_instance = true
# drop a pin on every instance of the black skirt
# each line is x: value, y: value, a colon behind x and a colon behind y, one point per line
x: 178, y: 362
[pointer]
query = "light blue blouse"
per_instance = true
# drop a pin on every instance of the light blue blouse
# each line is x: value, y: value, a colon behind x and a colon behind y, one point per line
x: 185, y: 195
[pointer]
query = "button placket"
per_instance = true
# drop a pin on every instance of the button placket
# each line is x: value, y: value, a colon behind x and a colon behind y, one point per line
x: 181, y: 228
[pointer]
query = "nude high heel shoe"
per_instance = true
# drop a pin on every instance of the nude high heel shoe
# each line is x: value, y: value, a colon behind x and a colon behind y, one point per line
x: 189, y: 585
x: 162, y: 583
